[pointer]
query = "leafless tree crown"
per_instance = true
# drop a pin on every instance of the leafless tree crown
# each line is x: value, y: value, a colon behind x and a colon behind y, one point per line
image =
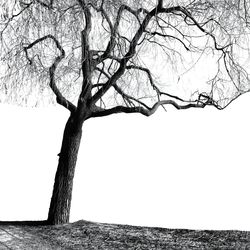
x: 124, y: 56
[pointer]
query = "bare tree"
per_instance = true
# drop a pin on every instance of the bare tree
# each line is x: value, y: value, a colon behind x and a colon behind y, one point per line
x: 103, y: 57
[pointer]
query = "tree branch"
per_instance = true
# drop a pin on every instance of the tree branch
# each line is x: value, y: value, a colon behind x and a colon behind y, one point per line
x: 132, y: 48
x: 169, y: 36
x: 49, y: 6
x: 129, y: 98
x: 159, y: 9
x: 114, y: 29
x: 27, y: 5
x: 202, y: 102
x: 59, y: 97
x: 86, y: 55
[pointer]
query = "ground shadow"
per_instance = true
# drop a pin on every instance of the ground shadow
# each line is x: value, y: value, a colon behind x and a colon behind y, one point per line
x: 24, y: 223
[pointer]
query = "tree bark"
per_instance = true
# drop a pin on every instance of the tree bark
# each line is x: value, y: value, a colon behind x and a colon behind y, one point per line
x: 59, y: 210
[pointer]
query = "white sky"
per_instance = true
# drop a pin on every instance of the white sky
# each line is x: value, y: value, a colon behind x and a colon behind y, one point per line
x: 180, y: 169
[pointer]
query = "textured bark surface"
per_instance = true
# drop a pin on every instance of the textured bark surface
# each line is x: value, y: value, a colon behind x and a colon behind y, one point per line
x: 59, y: 210
x: 87, y: 235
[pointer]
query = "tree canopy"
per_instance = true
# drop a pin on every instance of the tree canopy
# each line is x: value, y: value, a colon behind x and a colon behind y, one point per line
x: 142, y: 54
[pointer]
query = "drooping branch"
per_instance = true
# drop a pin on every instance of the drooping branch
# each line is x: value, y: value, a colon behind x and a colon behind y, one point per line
x: 13, y: 16
x: 128, y: 98
x: 158, y: 91
x: 155, y: 33
x: 52, y: 69
x: 202, y: 102
x: 147, y: 71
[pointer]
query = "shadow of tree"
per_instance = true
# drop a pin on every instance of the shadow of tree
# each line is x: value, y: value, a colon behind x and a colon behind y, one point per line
x: 24, y: 223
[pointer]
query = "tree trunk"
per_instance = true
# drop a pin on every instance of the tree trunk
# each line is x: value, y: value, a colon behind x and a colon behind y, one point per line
x: 59, y: 210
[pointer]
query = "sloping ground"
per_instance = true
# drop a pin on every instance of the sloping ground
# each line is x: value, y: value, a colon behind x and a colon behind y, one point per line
x: 88, y: 235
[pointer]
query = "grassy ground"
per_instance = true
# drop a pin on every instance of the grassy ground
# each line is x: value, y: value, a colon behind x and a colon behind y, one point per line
x: 88, y: 235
